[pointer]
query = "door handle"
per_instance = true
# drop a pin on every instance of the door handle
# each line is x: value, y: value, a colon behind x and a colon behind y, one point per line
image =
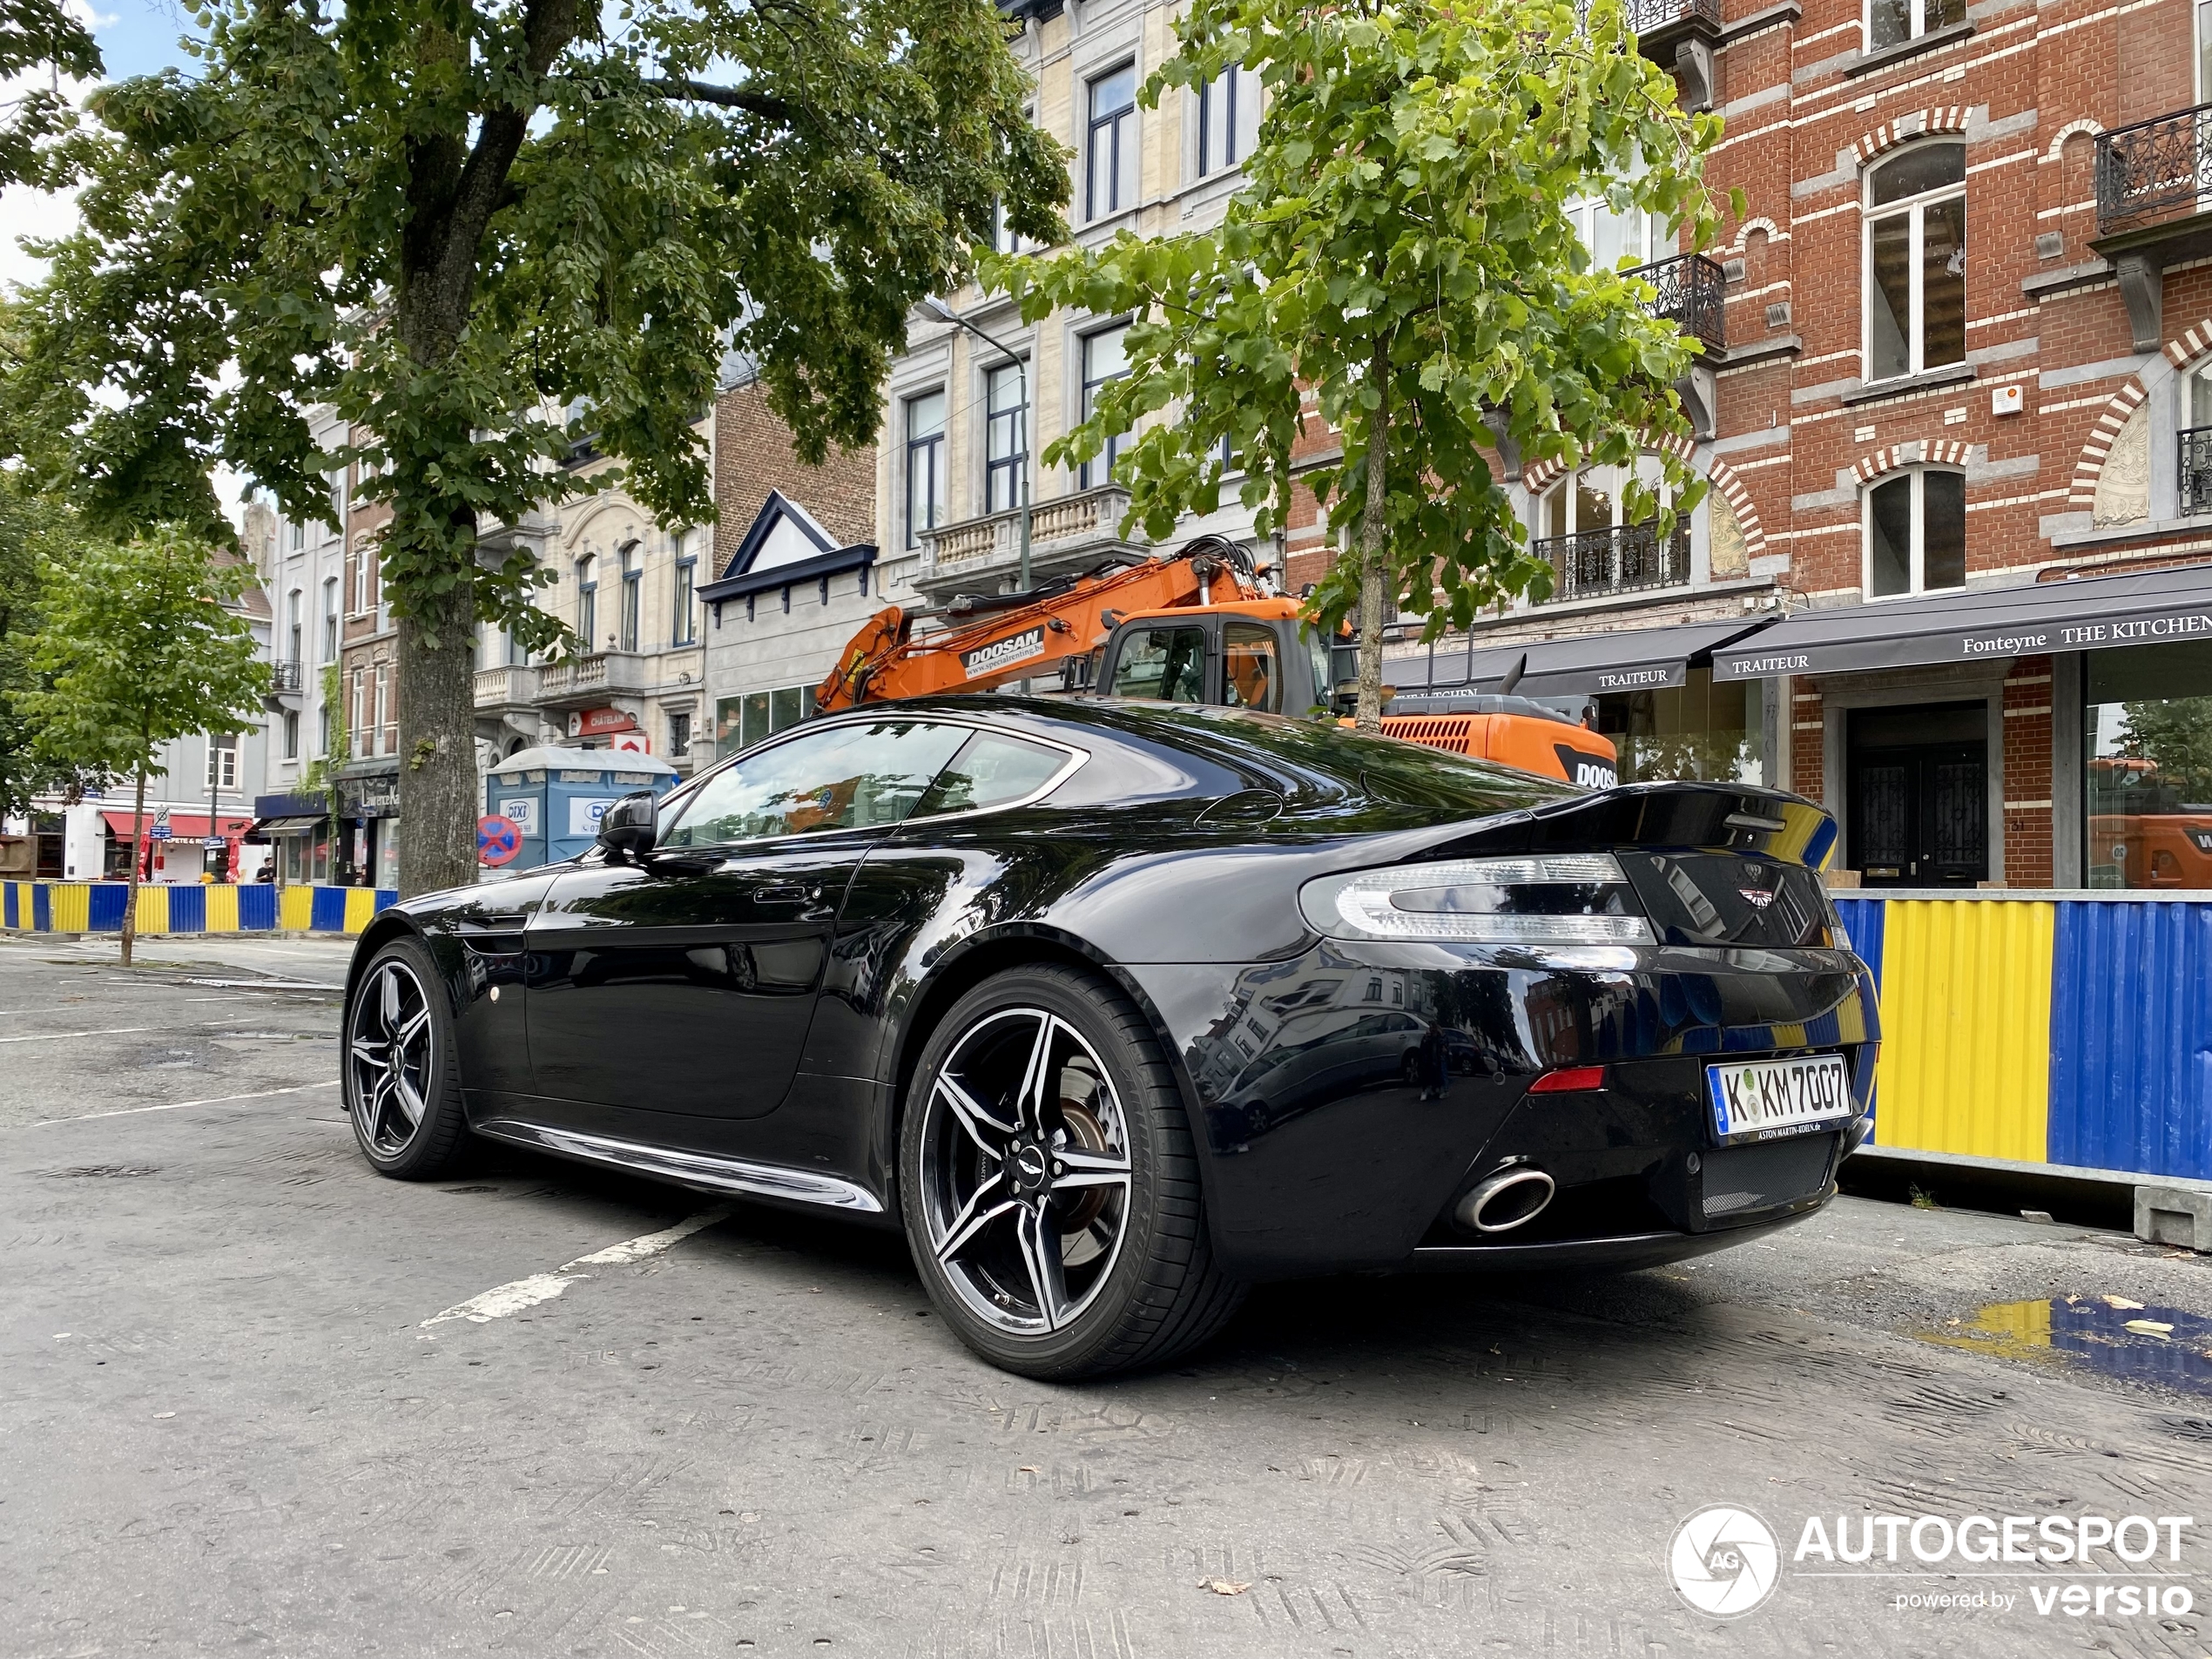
x: 787, y: 893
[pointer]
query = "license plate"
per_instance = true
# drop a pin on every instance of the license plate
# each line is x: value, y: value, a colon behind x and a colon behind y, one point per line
x: 1758, y: 1100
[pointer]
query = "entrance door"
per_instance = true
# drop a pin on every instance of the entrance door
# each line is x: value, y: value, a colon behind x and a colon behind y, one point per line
x: 687, y: 982
x: 1918, y: 789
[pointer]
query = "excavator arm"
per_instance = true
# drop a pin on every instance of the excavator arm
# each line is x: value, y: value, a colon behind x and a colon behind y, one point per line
x: 884, y: 662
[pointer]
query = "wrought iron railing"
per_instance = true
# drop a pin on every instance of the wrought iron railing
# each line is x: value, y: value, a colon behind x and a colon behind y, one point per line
x: 286, y: 678
x: 2195, y: 473
x: 1628, y: 558
x: 1693, y: 295
x: 1649, y: 16
x: 2153, y: 167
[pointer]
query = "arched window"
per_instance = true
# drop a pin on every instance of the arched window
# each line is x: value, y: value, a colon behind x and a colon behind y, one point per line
x: 1593, y: 548
x: 587, y: 601
x: 1916, y: 261
x: 1916, y: 533
x: 633, y: 587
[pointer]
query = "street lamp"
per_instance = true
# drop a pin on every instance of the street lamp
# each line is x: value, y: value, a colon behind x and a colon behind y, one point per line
x: 944, y: 313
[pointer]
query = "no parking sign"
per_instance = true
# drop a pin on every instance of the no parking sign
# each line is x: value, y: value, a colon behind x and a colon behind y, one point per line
x: 497, y: 839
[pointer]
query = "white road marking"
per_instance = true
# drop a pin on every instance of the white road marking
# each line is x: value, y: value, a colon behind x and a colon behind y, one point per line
x: 517, y: 1294
x: 179, y: 1105
x: 110, y: 1031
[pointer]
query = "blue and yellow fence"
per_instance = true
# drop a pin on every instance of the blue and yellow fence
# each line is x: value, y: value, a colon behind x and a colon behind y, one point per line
x: 2058, y: 1029
x: 96, y: 907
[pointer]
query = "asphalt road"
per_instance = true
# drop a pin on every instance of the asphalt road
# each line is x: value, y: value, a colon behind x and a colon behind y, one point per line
x: 225, y: 1426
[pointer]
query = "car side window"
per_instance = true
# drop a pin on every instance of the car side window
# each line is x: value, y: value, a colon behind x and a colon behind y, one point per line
x: 1166, y: 665
x: 845, y: 777
x: 1251, y: 677
x: 990, y: 771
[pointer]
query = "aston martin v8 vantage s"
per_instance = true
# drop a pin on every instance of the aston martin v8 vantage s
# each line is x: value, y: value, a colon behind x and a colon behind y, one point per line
x: 1116, y: 1008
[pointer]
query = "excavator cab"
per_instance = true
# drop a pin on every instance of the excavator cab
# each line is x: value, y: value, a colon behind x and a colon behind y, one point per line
x: 1248, y: 654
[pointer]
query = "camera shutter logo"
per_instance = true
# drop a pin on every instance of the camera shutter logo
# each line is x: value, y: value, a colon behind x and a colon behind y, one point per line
x: 1724, y: 1561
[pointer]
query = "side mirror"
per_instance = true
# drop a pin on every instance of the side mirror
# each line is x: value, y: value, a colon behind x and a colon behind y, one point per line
x: 629, y: 827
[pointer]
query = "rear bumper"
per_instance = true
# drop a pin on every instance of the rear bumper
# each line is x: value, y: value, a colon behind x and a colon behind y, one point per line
x: 1345, y: 1100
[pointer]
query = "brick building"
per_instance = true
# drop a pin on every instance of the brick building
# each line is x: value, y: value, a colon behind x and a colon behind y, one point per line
x: 1955, y: 409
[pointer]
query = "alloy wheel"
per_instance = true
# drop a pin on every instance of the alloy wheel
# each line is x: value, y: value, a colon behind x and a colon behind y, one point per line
x: 388, y: 1053
x: 1025, y: 1170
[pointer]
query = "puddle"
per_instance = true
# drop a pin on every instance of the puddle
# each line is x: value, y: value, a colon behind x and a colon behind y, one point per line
x: 2087, y: 1329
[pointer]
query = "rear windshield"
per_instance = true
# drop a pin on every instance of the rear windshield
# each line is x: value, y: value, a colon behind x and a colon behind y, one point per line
x: 1727, y: 899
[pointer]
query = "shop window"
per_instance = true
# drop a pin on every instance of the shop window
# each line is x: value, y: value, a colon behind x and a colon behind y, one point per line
x: 1006, y: 437
x: 1892, y: 23
x: 1702, y: 731
x: 1228, y: 119
x: 1916, y: 261
x: 2147, y: 772
x: 1916, y: 534
x: 925, y: 423
x: 1109, y: 175
x: 1105, y: 361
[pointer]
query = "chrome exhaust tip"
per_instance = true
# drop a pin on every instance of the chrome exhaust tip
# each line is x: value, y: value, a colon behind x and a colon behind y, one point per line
x: 1508, y: 1199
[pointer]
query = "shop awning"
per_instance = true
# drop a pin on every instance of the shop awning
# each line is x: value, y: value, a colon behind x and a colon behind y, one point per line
x: 183, y: 826
x: 287, y: 825
x: 1980, y: 625
x: 1629, y: 659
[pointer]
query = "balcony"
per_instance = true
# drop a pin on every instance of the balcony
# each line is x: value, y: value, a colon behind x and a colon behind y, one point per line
x: 2153, y: 208
x: 1692, y: 296
x: 513, y: 687
x: 587, y: 682
x: 1068, y: 533
x: 287, y: 680
x: 2194, y: 474
x: 1679, y: 34
x: 1629, y: 558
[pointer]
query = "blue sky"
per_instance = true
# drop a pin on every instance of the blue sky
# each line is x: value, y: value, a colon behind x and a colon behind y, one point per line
x: 138, y: 36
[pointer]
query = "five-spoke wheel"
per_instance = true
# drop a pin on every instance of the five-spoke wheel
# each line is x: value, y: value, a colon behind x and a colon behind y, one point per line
x: 401, y: 1090
x: 1050, y: 1191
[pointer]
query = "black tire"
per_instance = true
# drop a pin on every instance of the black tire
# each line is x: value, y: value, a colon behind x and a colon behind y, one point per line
x: 377, y: 1097
x: 1159, y: 1291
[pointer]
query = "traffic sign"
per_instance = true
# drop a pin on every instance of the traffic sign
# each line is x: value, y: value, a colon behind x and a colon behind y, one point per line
x: 214, y: 844
x: 158, y: 830
x: 497, y: 839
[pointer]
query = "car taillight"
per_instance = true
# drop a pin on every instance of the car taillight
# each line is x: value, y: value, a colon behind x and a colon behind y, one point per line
x: 1541, y: 899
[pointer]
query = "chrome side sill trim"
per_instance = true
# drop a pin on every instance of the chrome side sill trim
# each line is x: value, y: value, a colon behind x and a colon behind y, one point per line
x: 692, y: 1169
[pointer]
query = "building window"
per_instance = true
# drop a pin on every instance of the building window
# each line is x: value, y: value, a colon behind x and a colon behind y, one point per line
x: 1916, y: 534
x: 1916, y: 261
x: 925, y: 462
x: 1584, y: 533
x: 685, y: 624
x: 295, y: 626
x: 1228, y: 119
x: 1889, y: 23
x: 587, y: 601
x: 679, y: 734
x: 1109, y: 175
x: 740, y: 722
x: 323, y: 732
x: 1006, y: 438
x: 296, y: 537
x: 1105, y: 360
x: 363, y: 740
x: 337, y: 483
x: 292, y: 734
x: 1634, y: 238
x: 387, y: 717
x: 222, y: 762
x: 2146, y: 771
x: 633, y: 586
x: 330, y: 619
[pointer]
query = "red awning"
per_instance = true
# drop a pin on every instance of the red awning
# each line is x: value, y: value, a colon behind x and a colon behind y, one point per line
x: 183, y: 826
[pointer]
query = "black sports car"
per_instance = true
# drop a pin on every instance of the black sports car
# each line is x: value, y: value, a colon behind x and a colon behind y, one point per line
x: 1116, y: 1008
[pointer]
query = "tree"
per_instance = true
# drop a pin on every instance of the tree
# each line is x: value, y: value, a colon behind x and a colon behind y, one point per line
x: 1400, y: 251
x: 34, y: 530
x: 480, y: 230
x: 142, y: 645
x: 34, y: 35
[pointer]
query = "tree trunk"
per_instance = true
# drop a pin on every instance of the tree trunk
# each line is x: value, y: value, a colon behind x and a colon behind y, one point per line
x: 438, y: 806
x: 1374, y: 538
x: 137, y: 852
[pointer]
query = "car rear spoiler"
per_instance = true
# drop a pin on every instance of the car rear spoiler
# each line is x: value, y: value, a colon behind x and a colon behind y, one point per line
x: 1666, y: 817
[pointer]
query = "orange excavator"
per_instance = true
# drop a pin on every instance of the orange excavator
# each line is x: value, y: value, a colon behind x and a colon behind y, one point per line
x: 1199, y: 626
